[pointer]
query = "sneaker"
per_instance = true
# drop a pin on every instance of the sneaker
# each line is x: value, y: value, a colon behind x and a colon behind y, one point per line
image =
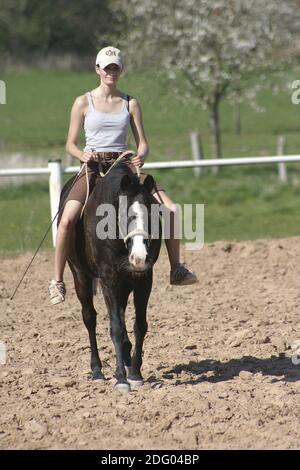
x: 181, y: 276
x: 57, y: 291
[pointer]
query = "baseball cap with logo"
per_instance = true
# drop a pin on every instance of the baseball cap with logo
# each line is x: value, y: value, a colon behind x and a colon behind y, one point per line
x: 109, y: 55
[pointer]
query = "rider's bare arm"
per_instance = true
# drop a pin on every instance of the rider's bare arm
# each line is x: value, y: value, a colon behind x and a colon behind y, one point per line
x: 136, y: 121
x: 76, y: 120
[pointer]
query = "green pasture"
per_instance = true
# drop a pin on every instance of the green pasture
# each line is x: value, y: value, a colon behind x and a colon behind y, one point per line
x: 36, y: 117
x: 240, y: 202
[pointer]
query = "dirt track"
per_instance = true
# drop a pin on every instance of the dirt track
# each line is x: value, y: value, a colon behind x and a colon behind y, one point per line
x: 217, y: 361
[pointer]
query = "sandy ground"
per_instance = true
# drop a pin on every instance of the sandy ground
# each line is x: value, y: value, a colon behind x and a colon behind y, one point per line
x: 217, y: 358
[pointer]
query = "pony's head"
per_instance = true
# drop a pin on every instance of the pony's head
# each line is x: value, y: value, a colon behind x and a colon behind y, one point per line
x: 137, y: 225
x: 135, y: 218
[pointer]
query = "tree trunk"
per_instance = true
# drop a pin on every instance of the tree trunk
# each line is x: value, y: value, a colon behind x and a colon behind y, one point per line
x: 216, y: 131
x: 237, y: 118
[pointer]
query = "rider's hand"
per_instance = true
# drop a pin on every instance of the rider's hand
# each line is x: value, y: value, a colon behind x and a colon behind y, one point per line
x: 138, y: 160
x: 87, y: 156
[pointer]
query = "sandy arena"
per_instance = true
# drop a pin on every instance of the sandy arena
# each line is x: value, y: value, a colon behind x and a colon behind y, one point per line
x: 217, y: 358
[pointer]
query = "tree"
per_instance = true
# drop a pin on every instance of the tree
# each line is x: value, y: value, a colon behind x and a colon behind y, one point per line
x: 216, y: 45
x: 34, y: 27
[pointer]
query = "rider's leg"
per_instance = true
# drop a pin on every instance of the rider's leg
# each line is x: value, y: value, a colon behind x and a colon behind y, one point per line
x: 71, y: 213
x: 179, y: 275
x: 68, y: 220
x: 172, y: 243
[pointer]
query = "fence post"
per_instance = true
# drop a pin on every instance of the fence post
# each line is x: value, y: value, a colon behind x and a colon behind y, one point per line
x: 281, y: 166
x: 197, y: 151
x: 55, y: 186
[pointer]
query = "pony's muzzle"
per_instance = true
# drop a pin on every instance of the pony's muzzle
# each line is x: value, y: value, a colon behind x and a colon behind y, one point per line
x: 138, y: 263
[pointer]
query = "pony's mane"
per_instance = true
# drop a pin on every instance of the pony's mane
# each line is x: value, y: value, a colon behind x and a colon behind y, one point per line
x: 111, y: 184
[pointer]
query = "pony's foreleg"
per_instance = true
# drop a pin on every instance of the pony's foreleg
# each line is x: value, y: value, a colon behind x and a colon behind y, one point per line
x: 127, y: 346
x: 117, y: 333
x: 84, y: 290
x: 142, y: 292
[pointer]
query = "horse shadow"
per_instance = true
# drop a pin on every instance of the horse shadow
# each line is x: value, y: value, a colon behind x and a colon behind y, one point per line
x: 280, y: 368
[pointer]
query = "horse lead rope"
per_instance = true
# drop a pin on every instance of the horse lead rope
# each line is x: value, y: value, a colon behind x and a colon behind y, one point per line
x: 43, y: 239
x: 84, y: 166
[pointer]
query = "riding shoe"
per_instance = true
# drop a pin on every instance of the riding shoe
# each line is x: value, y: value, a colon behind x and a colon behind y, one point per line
x: 181, y: 276
x: 57, y: 291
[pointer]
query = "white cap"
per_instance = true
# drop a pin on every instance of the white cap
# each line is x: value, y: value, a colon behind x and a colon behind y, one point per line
x: 109, y: 55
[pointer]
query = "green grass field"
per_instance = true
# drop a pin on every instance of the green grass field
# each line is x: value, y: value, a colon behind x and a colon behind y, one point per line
x: 240, y: 203
x: 36, y: 117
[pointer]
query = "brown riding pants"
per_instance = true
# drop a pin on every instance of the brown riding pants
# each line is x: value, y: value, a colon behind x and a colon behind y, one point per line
x: 79, y: 190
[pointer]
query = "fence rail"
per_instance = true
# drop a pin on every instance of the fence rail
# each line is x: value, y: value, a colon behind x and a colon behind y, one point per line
x: 55, y: 171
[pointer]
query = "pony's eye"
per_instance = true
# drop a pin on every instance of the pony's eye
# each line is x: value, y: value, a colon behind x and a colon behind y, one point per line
x: 128, y: 244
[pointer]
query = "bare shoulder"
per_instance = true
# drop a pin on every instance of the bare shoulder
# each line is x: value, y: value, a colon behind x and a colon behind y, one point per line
x: 81, y: 102
x: 133, y: 101
x: 134, y: 105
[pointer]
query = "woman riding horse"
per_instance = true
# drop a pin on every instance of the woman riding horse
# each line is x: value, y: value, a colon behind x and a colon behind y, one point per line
x: 105, y: 113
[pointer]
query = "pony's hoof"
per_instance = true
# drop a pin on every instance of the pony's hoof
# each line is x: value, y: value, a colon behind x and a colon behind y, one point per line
x: 134, y: 384
x: 97, y: 376
x: 122, y: 387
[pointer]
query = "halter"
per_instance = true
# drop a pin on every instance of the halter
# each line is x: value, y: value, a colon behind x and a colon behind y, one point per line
x: 136, y: 231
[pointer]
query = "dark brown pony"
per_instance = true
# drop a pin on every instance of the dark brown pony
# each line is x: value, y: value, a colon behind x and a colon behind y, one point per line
x: 123, y: 264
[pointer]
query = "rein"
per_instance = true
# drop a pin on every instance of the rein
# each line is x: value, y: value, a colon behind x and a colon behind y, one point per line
x: 84, y: 166
x: 138, y: 171
x: 136, y: 231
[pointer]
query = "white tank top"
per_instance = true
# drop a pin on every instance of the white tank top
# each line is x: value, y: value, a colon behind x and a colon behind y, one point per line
x: 106, y: 132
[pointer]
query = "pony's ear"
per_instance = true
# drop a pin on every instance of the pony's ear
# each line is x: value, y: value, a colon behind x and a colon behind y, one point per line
x: 125, y: 182
x: 149, y: 183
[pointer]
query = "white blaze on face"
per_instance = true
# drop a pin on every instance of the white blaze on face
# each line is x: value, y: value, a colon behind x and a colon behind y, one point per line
x: 138, y: 252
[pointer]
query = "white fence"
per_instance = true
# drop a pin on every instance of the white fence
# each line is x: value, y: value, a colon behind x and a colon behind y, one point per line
x: 56, y: 171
